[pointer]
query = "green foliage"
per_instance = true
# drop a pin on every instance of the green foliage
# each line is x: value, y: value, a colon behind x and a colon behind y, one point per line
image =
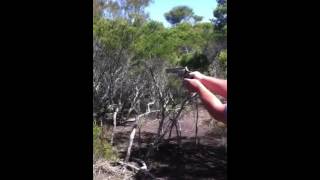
x: 178, y: 14
x: 197, y: 61
x: 206, y: 31
x: 175, y: 45
x: 197, y: 18
x: 114, y: 34
x: 102, y: 149
x: 222, y: 57
x: 153, y: 40
x: 127, y: 35
x: 181, y: 14
x: 131, y: 10
x: 220, y: 14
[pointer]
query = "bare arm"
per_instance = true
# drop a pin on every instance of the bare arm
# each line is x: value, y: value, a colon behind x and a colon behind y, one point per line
x: 210, y: 101
x: 215, y: 85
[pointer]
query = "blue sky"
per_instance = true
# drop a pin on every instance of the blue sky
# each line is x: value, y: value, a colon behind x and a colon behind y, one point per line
x: 203, y: 8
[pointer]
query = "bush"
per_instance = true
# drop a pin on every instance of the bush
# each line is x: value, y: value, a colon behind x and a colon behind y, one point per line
x: 195, y: 61
x: 101, y: 148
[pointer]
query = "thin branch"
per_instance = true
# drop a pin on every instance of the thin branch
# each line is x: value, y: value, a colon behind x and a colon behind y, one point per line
x: 197, y: 116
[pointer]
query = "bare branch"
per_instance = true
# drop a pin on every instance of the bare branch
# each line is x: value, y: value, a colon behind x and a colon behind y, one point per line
x: 132, y: 134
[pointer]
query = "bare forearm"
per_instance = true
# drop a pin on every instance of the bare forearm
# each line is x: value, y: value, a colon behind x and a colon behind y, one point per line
x: 212, y: 104
x: 215, y: 85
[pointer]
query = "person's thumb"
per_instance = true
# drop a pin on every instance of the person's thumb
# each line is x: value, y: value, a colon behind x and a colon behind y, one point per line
x: 195, y: 75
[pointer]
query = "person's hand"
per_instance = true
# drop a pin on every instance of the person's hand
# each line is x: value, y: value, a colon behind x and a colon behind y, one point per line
x: 196, y: 75
x: 193, y: 85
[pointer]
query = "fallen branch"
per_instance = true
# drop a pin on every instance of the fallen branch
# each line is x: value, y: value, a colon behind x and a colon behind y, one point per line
x: 141, y: 115
x: 129, y: 165
x: 144, y: 165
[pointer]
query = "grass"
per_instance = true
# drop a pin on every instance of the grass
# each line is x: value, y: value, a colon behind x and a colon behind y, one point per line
x: 101, y: 148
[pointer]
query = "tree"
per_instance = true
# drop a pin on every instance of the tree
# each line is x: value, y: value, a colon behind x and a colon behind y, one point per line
x: 197, y: 18
x: 98, y: 6
x: 220, y: 14
x: 130, y: 55
x: 178, y: 14
x: 131, y: 10
x: 181, y: 14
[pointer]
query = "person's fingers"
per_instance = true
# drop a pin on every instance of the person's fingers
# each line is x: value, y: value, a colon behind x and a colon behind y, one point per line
x: 195, y: 75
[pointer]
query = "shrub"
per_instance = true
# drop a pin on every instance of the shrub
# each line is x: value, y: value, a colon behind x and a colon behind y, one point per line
x: 101, y: 148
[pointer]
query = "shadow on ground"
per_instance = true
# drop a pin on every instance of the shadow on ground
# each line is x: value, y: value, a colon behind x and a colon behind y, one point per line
x: 188, y: 162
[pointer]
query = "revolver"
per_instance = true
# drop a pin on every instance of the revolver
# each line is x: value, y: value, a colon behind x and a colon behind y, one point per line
x: 182, y: 72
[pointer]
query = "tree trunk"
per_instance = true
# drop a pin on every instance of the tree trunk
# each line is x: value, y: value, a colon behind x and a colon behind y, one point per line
x: 129, y: 112
x: 114, y: 124
x: 134, y: 101
x: 160, y: 129
x: 139, y: 139
x: 172, y: 124
x: 132, y: 134
x: 178, y: 134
